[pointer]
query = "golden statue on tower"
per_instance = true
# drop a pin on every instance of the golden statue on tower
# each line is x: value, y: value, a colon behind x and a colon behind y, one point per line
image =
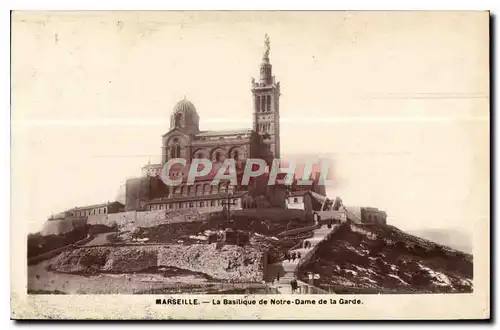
x: 267, y: 43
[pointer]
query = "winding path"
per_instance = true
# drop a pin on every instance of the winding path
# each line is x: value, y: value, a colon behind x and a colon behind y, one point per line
x: 286, y: 269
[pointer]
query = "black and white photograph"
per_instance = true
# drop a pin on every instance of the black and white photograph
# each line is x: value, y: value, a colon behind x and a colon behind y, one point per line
x: 231, y: 158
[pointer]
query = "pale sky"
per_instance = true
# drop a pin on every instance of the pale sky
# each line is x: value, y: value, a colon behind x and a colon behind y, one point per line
x: 400, y: 101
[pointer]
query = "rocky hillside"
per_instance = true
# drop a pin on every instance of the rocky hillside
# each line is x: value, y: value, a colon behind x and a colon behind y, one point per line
x: 384, y: 259
x: 454, y: 238
x: 227, y: 263
x: 269, y: 223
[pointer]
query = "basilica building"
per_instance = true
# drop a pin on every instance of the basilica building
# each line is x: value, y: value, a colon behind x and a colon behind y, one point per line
x: 184, y: 139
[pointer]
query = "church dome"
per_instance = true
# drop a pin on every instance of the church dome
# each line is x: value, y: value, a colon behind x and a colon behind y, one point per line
x: 186, y: 107
x: 185, y: 116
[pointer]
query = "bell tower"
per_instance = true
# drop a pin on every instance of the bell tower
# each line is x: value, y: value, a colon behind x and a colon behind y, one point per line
x: 266, y: 101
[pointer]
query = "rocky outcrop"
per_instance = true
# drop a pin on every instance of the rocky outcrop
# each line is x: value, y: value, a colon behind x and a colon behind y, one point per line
x: 230, y: 262
x: 227, y: 263
x: 106, y: 259
x: 129, y: 260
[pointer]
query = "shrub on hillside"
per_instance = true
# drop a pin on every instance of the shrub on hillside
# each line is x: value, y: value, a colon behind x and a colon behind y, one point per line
x: 38, y: 244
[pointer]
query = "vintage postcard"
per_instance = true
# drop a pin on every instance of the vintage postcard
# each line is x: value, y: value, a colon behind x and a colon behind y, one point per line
x: 250, y: 165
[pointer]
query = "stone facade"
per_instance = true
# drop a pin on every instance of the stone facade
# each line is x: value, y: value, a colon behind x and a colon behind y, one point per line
x: 204, y: 203
x: 105, y: 208
x: 81, y: 212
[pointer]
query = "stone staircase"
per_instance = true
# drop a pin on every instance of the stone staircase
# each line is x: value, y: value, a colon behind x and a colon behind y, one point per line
x: 352, y: 217
x: 286, y: 269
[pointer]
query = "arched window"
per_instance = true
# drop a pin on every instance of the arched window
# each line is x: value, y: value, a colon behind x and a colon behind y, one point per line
x: 199, y: 190
x: 268, y: 105
x: 177, y: 120
x: 215, y: 189
x: 217, y: 156
x: 236, y: 155
x: 175, y: 148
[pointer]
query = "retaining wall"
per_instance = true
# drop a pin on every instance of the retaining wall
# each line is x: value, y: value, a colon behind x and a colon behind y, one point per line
x: 61, y: 226
x: 147, y: 218
x: 297, y: 230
